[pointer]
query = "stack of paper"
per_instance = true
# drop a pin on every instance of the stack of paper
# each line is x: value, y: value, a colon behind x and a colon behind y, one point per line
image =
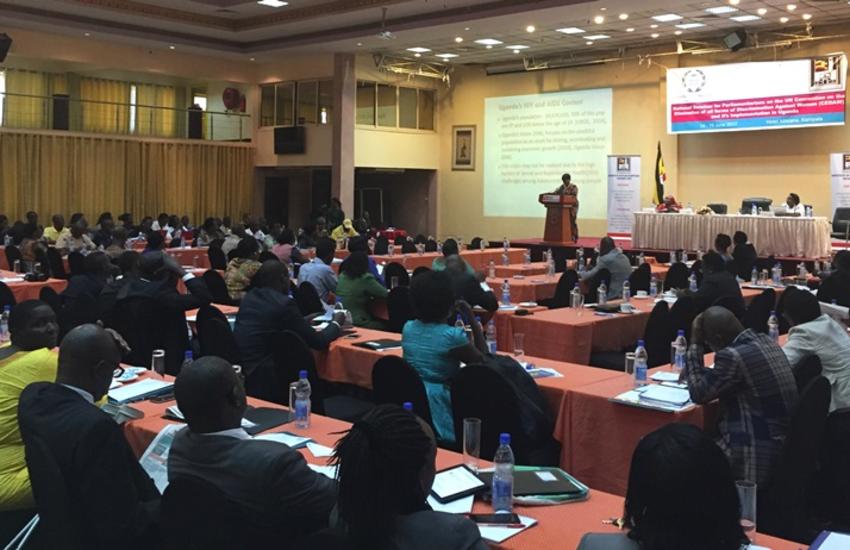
x: 289, y: 439
x: 665, y: 395
x: 499, y: 533
x: 141, y: 390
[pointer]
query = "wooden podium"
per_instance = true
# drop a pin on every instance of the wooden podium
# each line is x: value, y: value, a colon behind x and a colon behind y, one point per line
x: 559, y: 227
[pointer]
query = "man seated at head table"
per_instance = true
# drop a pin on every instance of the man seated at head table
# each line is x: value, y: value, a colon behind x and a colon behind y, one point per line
x: 753, y: 380
x: 818, y: 334
x: 793, y: 206
x: 660, y: 499
x: 466, y: 287
x: 612, y: 259
x: 717, y: 283
x: 269, y: 480
x: 836, y: 287
x: 113, y: 503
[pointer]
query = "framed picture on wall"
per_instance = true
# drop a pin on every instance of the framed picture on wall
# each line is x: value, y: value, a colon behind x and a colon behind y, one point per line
x: 463, y: 148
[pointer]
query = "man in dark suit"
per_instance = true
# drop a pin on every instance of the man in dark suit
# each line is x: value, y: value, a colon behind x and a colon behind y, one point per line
x: 467, y: 287
x: 113, y: 503
x: 837, y: 285
x: 744, y: 255
x: 718, y: 283
x: 269, y: 480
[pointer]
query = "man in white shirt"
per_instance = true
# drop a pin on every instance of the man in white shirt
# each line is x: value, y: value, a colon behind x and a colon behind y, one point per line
x: 793, y: 206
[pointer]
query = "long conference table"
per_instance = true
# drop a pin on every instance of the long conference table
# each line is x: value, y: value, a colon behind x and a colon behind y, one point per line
x: 771, y: 235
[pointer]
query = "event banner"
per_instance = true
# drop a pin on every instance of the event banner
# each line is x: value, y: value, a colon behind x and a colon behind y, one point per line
x: 757, y: 96
x: 623, y: 193
x: 839, y: 168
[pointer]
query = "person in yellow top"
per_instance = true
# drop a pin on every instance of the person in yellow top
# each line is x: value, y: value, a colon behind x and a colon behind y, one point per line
x: 344, y: 231
x: 29, y: 358
x: 57, y: 230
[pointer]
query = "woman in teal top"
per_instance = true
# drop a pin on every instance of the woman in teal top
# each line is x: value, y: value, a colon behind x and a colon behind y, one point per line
x: 357, y: 288
x: 434, y: 348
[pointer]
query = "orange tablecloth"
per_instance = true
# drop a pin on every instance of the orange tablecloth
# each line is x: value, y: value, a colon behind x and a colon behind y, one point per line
x: 552, y: 531
x: 478, y: 259
x: 195, y: 257
x: 508, y: 271
x: 526, y: 289
x: 25, y: 290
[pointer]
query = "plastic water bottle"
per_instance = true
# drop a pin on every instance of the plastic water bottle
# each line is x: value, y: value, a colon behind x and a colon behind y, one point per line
x: 188, y: 359
x: 408, y: 406
x: 391, y: 249
x: 678, y: 351
x: 641, y: 259
x: 773, y: 327
x: 641, y: 359
x: 776, y: 274
x: 754, y: 210
x: 801, y: 271
x: 302, y: 401
x: 503, y: 476
x: 673, y: 259
x: 506, y: 244
x: 575, y: 297
x: 602, y: 294
x: 505, y: 259
x: 692, y: 283
x: 580, y: 256
x: 491, y: 270
x: 699, y: 254
x: 490, y: 337
x: 754, y: 276
x: 653, y: 288
x: 526, y: 257
x: 580, y: 267
x: 439, y: 247
x: 506, y: 293
x: 627, y: 291
x: 459, y: 322
x: 4, y: 324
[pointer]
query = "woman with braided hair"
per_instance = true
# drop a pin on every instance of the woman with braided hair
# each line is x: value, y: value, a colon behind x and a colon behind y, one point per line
x: 386, y: 467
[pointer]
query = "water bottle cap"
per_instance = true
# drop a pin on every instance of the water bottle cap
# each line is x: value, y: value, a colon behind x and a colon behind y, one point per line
x: 640, y: 343
x: 302, y: 374
x: 478, y: 318
x: 7, y: 308
x: 505, y: 439
x: 188, y: 354
x: 408, y: 406
x: 773, y: 313
x: 680, y: 333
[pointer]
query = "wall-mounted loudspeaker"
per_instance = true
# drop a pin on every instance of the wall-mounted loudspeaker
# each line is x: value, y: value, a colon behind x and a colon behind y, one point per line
x: 5, y: 44
x: 735, y: 41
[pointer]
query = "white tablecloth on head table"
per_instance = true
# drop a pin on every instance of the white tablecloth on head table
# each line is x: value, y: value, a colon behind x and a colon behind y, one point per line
x: 771, y: 235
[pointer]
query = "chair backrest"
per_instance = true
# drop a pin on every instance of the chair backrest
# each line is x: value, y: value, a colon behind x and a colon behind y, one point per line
x: 718, y: 208
x: 782, y: 503
x: 656, y: 336
x: 840, y: 220
x: 395, y: 269
x: 760, y: 202
x: 49, y: 297
x: 307, y: 299
x: 76, y: 263
x: 231, y: 255
x: 147, y: 326
x: 73, y: 313
x: 430, y: 245
x: 7, y: 297
x: 217, y: 257
x: 682, y: 316
x: 420, y: 270
x: 732, y: 303
x: 478, y: 391
x: 394, y: 381
x: 759, y: 310
x: 56, y: 524
x: 176, y: 243
x: 265, y: 256
x: 215, y: 336
x: 407, y: 247
x: 592, y: 284
x: 13, y: 254
x: 216, y: 243
x: 399, y: 308
x: 381, y: 245
x: 475, y: 243
x: 807, y: 370
x: 291, y: 356
x: 677, y: 276
x: 57, y: 266
x: 217, y: 287
x: 565, y: 285
x: 640, y: 278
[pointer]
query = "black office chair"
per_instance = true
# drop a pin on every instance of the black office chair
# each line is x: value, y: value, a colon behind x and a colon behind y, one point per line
x: 51, y: 298
x: 718, y: 208
x: 13, y: 254
x: 394, y: 269
x: 430, y: 245
x: 217, y: 258
x: 475, y: 243
x: 381, y: 246
x: 565, y: 285
x: 696, y: 270
x: 218, y: 288
x: 76, y: 263
x: 732, y: 303
x: 677, y: 277
x: 407, y: 247
x: 419, y: 271
x: 216, y: 243
x: 307, y: 299
x: 394, y: 381
x: 176, y: 243
x: 399, y: 308
x: 682, y: 316
x: 656, y: 336
x: 758, y: 312
x: 7, y: 298
x: 840, y: 224
x: 782, y: 502
x: 399, y: 240
x: 640, y: 278
x: 807, y: 370
x: 763, y: 203
x: 214, y: 335
x: 81, y: 311
x: 265, y: 256
x: 231, y: 255
x: 592, y: 285
x: 57, y: 266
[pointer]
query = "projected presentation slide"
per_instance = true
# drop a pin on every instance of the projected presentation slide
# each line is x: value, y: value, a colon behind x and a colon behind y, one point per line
x: 531, y: 140
x: 757, y: 96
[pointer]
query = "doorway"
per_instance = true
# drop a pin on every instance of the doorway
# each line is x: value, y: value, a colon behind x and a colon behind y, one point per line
x: 277, y: 200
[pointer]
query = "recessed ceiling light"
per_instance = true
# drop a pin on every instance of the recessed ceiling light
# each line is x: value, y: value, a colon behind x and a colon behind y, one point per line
x: 516, y: 51
x: 86, y: 34
x: 571, y: 30
x: 720, y: 10
x: 418, y: 49
x: 599, y: 19
x: 589, y: 43
x: 273, y: 3
x: 466, y: 28
x: 791, y: 7
x: 251, y: 59
x: 687, y: 26
x: 530, y: 28
x: 745, y: 18
x: 807, y: 16
x: 783, y: 19
x: 172, y: 47
x: 597, y: 37
x: 677, y: 33
x: 630, y: 29
x: 458, y: 39
x: 734, y: 2
x: 667, y: 17
x: 517, y: 47
x: 489, y: 47
x: 417, y: 55
x: 488, y: 41
x: 653, y: 26
x: 761, y: 11
x: 359, y: 44
x: 655, y: 35
x: 446, y: 55
x: 624, y: 16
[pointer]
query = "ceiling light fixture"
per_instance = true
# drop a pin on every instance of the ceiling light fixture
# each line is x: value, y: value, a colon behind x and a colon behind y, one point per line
x: 761, y: 11
x: 655, y: 35
x: 172, y: 47
x: 417, y: 55
x: 86, y: 34
x: 791, y: 7
x: 466, y: 28
x: 807, y: 16
x: 597, y: 37
x: 273, y: 3
x: 251, y: 59
x: 489, y: 47
x: 783, y: 19
x: 589, y: 43
x: 517, y: 47
x: 745, y: 18
x: 720, y: 10
x: 359, y: 44
x: 734, y: 2
x: 571, y: 30
x: 599, y: 19
x: 446, y: 55
x: 516, y: 51
x: 624, y: 16
x: 654, y: 26
x: 458, y: 39
x: 687, y: 26
x: 419, y: 49
x: 530, y: 28
x: 630, y: 29
x: 677, y: 33
x: 488, y: 41
x: 667, y: 17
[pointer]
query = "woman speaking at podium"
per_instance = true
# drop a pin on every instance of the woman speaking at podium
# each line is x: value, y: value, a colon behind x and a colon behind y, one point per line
x: 569, y: 188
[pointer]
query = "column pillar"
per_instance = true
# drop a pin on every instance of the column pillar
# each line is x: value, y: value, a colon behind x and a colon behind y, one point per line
x: 342, y: 158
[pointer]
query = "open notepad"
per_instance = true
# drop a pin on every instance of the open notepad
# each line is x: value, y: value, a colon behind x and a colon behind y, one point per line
x: 657, y: 397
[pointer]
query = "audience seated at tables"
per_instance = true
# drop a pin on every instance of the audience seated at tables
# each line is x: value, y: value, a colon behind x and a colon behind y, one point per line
x: 58, y: 229
x: 104, y: 216
x: 126, y: 220
x: 242, y: 267
x: 744, y: 255
x: 357, y: 289
x: 78, y: 217
x: 269, y: 480
x: 836, y: 287
x: 155, y: 242
x: 450, y: 248
x: 112, y: 502
x: 119, y: 243
x: 319, y: 272
x: 612, y: 259
x: 208, y: 233
x: 681, y: 495
x: 436, y: 349
x: 161, y: 223
x: 103, y: 236
x: 77, y: 240
x: 361, y: 244
x: 231, y: 241
x: 717, y: 282
x: 334, y: 215
x: 97, y: 272
x: 31, y: 244
x: 31, y: 217
x: 265, y: 311
x: 29, y: 358
x: 344, y: 231
x: 753, y: 380
x: 387, y: 463
x: 722, y: 244
x: 285, y: 248
x: 309, y: 235
x: 467, y: 287
x: 816, y: 333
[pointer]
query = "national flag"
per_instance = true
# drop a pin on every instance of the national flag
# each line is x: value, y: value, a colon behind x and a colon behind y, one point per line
x: 660, y: 177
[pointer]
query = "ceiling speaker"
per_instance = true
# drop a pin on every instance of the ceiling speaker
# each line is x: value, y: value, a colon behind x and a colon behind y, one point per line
x: 5, y: 44
x: 735, y: 41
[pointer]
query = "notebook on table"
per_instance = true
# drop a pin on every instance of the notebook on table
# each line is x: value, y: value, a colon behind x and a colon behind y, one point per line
x: 379, y: 344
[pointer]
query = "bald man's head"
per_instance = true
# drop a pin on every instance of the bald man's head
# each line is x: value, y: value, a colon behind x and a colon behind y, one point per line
x: 210, y: 395
x: 88, y: 357
x: 720, y: 327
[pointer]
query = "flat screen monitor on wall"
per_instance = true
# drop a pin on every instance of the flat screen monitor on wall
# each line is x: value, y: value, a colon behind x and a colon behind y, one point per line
x: 289, y: 140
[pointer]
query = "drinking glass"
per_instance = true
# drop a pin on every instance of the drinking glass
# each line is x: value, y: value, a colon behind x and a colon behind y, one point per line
x: 747, y: 496
x: 292, y: 387
x: 158, y: 361
x: 471, y: 442
x: 519, y: 339
x: 630, y: 362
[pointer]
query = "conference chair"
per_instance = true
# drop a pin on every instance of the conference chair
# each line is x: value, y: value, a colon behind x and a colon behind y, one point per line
x: 840, y: 224
x: 13, y: 254
x: 394, y: 381
x: 592, y: 285
x: 677, y: 277
x: 834, y: 487
x: 420, y: 239
x: 682, y: 315
x: 430, y: 245
x: 419, y: 271
x: 231, y: 255
x: 731, y: 303
x: 784, y: 323
x: 7, y: 298
x: 718, y: 207
x: 475, y: 243
x: 176, y: 243
x: 407, y: 247
x: 307, y: 299
x: 218, y: 288
x: 147, y: 326
x: 763, y: 203
x: 394, y: 269
x: 565, y: 285
x: 76, y: 263
x: 399, y: 308
x: 807, y: 370
x: 759, y: 310
x: 216, y: 243
x: 51, y: 298
x: 57, y: 266
x: 656, y: 336
x: 217, y: 258
x: 265, y: 256
x: 382, y: 246
x: 215, y: 336
x: 783, y: 500
x: 640, y: 278
x: 399, y: 240
x: 696, y: 270
x: 81, y: 311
